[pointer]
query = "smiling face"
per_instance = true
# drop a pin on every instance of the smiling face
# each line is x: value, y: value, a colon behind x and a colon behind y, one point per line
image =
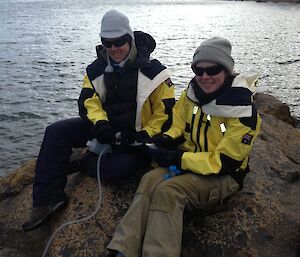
x: 118, y: 54
x: 210, y: 83
x: 117, y: 48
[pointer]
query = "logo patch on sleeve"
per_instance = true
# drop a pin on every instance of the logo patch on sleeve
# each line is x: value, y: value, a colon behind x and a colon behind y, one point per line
x: 247, y: 139
x: 169, y: 82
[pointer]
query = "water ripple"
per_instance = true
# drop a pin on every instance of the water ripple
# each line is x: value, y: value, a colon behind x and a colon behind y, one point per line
x: 19, y: 116
x: 45, y: 48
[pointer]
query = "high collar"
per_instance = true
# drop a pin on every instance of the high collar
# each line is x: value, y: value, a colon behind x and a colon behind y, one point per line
x: 234, y: 100
x: 204, y: 98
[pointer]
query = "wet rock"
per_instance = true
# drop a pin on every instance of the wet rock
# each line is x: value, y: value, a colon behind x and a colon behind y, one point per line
x: 262, y: 220
x: 15, y: 181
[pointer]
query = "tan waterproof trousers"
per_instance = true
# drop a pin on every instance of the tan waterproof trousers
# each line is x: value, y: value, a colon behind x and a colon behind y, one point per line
x: 153, y: 224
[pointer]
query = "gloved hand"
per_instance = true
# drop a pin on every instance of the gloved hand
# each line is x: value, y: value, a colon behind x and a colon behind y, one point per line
x: 141, y: 136
x: 165, y: 157
x: 163, y: 140
x: 128, y: 138
x: 104, y: 132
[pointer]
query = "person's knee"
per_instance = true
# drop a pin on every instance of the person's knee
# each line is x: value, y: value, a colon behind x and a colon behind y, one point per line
x: 116, y: 167
x: 167, y: 197
x: 150, y: 180
x: 55, y: 130
x: 148, y: 177
x: 113, y: 169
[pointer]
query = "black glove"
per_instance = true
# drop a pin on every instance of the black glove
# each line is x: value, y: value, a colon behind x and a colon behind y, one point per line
x: 104, y: 132
x: 163, y: 140
x: 165, y: 157
x: 129, y: 138
x: 141, y: 136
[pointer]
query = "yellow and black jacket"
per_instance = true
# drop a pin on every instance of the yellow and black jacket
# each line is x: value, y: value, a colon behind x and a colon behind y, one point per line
x: 218, y: 133
x: 138, y: 97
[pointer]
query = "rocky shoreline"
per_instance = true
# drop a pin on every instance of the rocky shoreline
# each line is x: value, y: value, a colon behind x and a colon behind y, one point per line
x: 262, y: 220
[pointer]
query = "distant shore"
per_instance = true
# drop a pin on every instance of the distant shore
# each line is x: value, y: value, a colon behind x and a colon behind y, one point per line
x: 279, y: 1
x: 274, y: 1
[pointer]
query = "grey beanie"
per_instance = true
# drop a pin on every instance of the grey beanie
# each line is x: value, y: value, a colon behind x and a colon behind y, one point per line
x: 216, y: 50
x: 115, y: 24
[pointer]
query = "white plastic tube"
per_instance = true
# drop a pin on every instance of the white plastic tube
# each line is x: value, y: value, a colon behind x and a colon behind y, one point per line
x: 101, y: 149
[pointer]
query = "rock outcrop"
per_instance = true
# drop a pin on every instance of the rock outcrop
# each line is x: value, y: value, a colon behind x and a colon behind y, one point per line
x: 262, y: 220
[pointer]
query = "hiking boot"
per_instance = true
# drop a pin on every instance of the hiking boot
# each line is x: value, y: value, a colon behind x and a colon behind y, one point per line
x: 40, y: 215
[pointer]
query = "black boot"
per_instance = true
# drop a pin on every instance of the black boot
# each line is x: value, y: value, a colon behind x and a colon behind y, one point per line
x: 40, y: 215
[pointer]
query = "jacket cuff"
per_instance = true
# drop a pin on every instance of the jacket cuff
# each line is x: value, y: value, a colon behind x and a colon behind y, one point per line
x: 179, y: 158
x: 142, y: 135
x: 100, y: 123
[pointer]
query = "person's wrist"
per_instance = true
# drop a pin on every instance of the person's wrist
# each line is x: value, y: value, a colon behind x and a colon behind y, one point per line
x: 142, y: 135
x: 103, y: 132
x: 163, y: 140
x: 179, y: 154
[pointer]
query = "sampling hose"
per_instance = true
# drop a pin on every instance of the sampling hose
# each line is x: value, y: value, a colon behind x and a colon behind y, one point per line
x: 100, y: 149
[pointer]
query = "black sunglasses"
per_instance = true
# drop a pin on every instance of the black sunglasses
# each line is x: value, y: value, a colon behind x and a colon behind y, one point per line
x: 210, y: 71
x: 108, y: 43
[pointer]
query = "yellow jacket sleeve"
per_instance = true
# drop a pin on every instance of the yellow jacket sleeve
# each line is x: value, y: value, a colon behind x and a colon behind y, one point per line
x: 178, y: 120
x: 157, y: 109
x: 89, y: 103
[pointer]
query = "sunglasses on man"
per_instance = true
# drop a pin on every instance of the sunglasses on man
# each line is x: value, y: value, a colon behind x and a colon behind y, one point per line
x: 118, y: 42
x: 210, y: 71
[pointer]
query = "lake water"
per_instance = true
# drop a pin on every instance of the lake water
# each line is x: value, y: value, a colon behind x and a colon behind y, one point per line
x: 46, y: 45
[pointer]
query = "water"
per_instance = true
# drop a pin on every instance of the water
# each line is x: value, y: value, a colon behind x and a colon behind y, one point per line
x: 46, y: 45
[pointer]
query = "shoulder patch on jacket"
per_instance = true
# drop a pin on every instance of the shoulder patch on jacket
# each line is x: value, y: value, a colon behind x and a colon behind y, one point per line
x: 247, y: 139
x: 169, y: 82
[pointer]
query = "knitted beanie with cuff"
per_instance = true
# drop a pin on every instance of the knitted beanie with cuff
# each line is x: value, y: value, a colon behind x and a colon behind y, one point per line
x: 215, y: 50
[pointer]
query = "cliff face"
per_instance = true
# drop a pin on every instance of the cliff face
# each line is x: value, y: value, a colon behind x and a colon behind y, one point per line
x: 262, y: 220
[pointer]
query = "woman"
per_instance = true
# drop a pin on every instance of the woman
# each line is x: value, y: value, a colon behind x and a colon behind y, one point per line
x: 125, y: 93
x: 219, y: 123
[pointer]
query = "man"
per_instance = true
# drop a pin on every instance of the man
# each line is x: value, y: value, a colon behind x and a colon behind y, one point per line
x: 219, y: 124
x: 124, y: 94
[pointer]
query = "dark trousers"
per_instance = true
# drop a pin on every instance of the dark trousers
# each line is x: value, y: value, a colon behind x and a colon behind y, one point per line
x: 53, y: 161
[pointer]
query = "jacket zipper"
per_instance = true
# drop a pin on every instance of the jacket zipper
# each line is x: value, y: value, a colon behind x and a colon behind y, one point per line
x: 195, y: 110
x: 199, y: 130
x: 208, y: 118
